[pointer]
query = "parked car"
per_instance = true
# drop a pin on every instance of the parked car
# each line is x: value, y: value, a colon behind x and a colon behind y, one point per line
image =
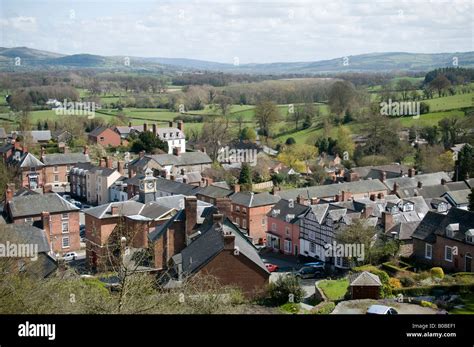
x: 309, y: 272
x: 317, y: 264
x: 70, y: 256
x: 381, y: 309
x: 271, y: 267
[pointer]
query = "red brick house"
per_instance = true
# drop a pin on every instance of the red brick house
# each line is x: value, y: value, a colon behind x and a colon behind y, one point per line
x: 249, y: 212
x: 104, y: 136
x: 50, y: 212
x: 446, y: 240
x: 283, y: 233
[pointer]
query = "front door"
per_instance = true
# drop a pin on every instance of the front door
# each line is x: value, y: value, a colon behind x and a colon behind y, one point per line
x: 296, y: 250
x: 468, y: 263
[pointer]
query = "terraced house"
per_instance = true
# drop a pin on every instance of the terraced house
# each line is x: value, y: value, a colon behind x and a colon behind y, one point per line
x: 50, y: 212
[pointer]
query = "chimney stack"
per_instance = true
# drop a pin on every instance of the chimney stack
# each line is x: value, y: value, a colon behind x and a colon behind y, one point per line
x: 395, y: 188
x: 387, y: 221
x: 120, y: 165
x: 176, y: 151
x: 346, y: 196
x: 43, y: 152
x: 8, y: 194
x: 114, y: 210
x: 367, y: 212
x: 420, y: 184
x: 170, y: 123
x: 155, y: 132
x: 190, y: 208
x: 47, y: 189
x: 102, y: 162
x: 218, y: 218
x: 301, y: 200
x: 145, y: 127
x: 109, y: 162
x: 236, y: 188
x: 141, y: 154
x: 443, y: 181
x: 181, y: 125
x: 46, y: 224
x: 229, y: 242
x: 314, y: 201
x: 411, y: 172
x: 223, y: 204
x: 383, y: 176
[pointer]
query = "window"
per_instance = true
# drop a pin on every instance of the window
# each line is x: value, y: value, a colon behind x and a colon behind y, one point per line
x: 428, y: 251
x: 101, y: 138
x: 65, y: 227
x: 469, y: 238
x: 287, y: 231
x: 65, y: 216
x: 65, y: 242
x: 55, y: 168
x: 244, y: 210
x: 244, y: 223
x: 448, y: 253
x: 287, y: 246
x: 274, y: 227
x: 312, y: 247
x: 56, y: 178
x: 237, y: 208
x: 237, y: 221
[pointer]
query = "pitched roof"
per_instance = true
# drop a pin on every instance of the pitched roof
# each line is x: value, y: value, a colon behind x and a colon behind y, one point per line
x: 25, y: 234
x: 215, y: 191
x: 211, y: 242
x: 365, y: 278
x: 175, y: 187
x: 38, y: 135
x: 283, y: 208
x: 458, y: 197
x: 331, y: 190
x: 34, y: 204
x: 29, y: 160
x: 97, y: 131
x: 125, y: 208
x: 65, y: 158
x: 435, y: 224
x: 430, y: 179
x: 250, y: 199
x: 187, y: 158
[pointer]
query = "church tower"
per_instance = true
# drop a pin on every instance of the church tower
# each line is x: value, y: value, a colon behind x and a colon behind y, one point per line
x: 147, y: 187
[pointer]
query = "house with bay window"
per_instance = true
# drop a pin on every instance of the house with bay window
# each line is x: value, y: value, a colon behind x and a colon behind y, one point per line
x: 446, y: 240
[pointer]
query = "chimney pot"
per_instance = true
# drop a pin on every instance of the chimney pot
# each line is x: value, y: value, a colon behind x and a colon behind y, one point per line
x: 181, y: 125
x: 236, y: 188
x: 190, y: 207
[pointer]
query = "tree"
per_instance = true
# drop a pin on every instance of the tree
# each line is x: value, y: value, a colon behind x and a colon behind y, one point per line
x: 440, y: 84
x: 465, y: 163
x: 245, y: 176
x: 471, y: 200
x: 223, y: 104
x: 290, y: 141
x: 358, y: 233
x: 149, y: 142
x: 404, y: 86
x: 430, y: 134
x: 341, y: 96
x: 214, y: 134
x: 344, y: 141
x: 248, y: 134
x: 266, y: 114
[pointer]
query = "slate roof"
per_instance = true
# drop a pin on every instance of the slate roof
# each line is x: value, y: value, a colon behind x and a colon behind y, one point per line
x: 331, y: 190
x: 184, y: 159
x: 125, y: 208
x: 38, y: 135
x: 283, y: 208
x: 391, y: 170
x: 404, y: 231
x: 65, y: 158
x: 250, y: 199
x: 459, y: 197
x: 430, y: 179
x: 24, y: 233
x: 174, y: 187
x: 436, y: 223
x: 211, y: 242
x: 97, y: 131
x: 215, y: 191
x: 6, y: 147
x: 29, y: 160
x: 34, y: 204
x: 365, y: 278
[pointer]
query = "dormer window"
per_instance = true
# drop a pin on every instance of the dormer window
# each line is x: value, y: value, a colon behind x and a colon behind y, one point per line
x: 451, y: 229
x: 470, y: 236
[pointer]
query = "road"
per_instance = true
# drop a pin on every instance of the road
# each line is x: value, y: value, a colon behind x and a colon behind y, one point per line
x: 361, y: 306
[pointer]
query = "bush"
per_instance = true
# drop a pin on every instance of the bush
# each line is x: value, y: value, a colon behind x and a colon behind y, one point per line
x: 325, y: 308
x: 407, y: 281
x: 428, y: 304
x: 284, y: 288
x: 394, y: 283
x: 290, y: 307
x: 437, y: 272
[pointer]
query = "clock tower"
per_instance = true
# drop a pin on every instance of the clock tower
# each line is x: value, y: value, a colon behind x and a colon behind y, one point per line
x: 147, y: 187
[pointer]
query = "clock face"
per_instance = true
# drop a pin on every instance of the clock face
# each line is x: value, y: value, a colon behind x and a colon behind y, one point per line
x: 142, y: 185
x: 150, y: 185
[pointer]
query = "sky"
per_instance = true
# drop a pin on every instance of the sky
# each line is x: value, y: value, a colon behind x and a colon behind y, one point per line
x: 245, y: 31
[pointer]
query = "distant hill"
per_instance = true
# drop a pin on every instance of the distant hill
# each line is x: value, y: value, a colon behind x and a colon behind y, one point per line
x: 373, y: 62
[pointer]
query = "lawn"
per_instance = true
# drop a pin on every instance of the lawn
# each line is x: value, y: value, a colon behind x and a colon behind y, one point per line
x: 451, y: 102
x: 334, y: 289
x: 468, y: 302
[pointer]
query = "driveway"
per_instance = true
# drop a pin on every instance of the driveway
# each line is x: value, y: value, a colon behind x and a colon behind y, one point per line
x: 361, y: 306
